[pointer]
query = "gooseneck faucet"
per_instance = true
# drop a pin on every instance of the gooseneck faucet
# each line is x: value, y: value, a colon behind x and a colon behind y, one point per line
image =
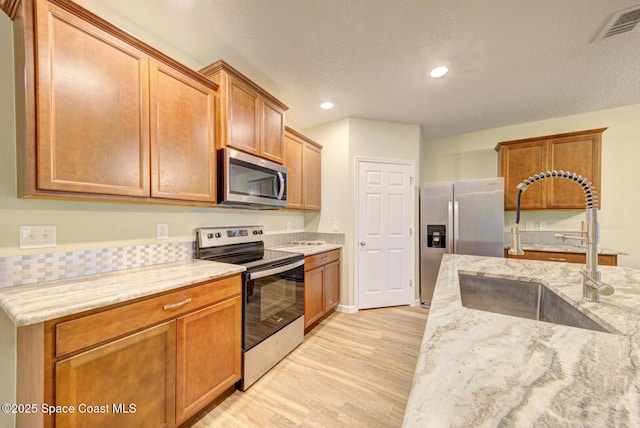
x: 592, y: 286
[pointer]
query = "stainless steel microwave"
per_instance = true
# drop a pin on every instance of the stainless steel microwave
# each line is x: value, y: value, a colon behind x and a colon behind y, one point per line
x: 247, y: 181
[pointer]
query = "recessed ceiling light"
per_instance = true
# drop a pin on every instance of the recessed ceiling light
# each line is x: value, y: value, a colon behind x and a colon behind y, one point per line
x: 326, y: 105
x: 439, y: 71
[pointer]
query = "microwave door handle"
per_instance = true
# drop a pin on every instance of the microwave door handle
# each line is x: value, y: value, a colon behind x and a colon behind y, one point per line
x: 276, y: 270
x: 281, y: 179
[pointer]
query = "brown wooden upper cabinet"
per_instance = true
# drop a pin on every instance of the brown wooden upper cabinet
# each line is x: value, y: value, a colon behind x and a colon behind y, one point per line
x: 578, y: 152
x: 250, y: 119
x: 304, y: 163
x: 102, y: 115
x: 182, y: 136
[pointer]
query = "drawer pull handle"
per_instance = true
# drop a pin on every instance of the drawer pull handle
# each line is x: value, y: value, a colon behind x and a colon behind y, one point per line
x: 324, y: 258
x: 557, y: 259
x: 177, y: 305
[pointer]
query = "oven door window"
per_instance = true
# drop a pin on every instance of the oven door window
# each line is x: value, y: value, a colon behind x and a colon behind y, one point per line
x: 271, y: 303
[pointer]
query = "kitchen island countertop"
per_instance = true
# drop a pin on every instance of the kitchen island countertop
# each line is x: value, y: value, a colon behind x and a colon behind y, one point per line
x: 32, y: 304
x: 482, y: 369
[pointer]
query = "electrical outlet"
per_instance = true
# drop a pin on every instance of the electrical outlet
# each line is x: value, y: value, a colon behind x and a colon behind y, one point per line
x: 528, y: 225
x: 162, y: 231
x: 335, y: 226
x: 37, y: 237
x: 288, y: 225
x: 543, y: 225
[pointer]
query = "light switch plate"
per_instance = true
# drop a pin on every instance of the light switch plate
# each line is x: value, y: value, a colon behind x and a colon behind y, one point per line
x: 335, y: 226
x: 37, y: 237
x: 162, y: 231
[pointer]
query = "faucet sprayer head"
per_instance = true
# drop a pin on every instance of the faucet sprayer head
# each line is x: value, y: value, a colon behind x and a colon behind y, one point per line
x: 591, y: 200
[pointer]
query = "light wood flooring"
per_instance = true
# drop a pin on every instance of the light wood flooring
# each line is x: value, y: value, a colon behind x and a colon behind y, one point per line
x: 352, y: 370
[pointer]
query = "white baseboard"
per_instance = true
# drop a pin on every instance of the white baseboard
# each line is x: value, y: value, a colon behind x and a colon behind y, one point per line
x: 347, y: 309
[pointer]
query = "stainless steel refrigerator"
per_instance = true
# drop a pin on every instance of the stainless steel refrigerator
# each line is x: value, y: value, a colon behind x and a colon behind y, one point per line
x: 458, y: 217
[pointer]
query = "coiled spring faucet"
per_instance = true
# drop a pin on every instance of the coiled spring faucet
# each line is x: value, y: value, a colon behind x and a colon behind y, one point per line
x: 592, y: 286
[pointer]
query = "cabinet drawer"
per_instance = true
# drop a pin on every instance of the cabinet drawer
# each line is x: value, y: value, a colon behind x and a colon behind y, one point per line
x: 90, y: 330
x: 603, y: 259
x: 312, y: 262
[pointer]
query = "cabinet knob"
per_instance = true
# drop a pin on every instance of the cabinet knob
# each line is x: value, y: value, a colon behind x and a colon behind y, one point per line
x: 362, y: 243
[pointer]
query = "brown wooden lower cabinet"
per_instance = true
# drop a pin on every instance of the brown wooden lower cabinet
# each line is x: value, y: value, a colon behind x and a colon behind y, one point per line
x: 127, y: 383
x: 156, y: 375
x: 313, y: 295
x: 332, y: 285
x: 209, y: 356
x: 603, y: 259
x: 321, y: 286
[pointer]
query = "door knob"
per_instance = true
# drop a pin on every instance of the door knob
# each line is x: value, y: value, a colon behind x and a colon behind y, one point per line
x: 362, y: 243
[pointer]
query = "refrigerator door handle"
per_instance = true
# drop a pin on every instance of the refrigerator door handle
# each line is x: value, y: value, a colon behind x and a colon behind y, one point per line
x: 450, y: 227
x: 456, y: 227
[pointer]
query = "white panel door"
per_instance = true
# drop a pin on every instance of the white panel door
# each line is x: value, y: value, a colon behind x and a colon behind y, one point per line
x: 385, y: 243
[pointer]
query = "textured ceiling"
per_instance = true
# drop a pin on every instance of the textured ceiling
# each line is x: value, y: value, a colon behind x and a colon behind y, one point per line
x: 511, y: 61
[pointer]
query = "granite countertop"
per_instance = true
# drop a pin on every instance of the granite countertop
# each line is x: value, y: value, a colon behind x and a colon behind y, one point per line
x: 307, y: 250
x: 566, y: 248
x: 482, y: 369
x: 32, y: 304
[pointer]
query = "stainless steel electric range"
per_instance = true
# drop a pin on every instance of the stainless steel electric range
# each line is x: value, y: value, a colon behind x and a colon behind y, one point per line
x: 273, y: 294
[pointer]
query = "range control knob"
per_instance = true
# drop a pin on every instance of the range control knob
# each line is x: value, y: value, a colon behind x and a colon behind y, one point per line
x: 209, y: 235
x: 218, y: 235
x: 255, y: 232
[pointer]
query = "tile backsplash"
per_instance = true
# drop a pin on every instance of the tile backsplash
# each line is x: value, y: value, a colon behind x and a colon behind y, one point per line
x: 30, y: 269
x: 536, y: 237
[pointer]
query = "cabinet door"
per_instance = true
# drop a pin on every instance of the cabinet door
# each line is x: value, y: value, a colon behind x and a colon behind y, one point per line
x: 293, y: 162
x: 209, y: 355
x: 312, y: 190
x: 272, y: 144
x: 133, y: 377
x: 517, y: 163
x: 92, y: 108
x: 182, y: 136
x: 243, y: 116
x: 331, y: 286
x: 579, y: 154
x: 313, y: 295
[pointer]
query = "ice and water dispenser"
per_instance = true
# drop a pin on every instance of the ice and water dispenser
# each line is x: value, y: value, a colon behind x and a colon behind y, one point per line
x: 436, y: 236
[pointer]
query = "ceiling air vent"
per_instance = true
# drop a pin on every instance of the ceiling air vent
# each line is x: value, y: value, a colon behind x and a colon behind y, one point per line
x: 620, y: 22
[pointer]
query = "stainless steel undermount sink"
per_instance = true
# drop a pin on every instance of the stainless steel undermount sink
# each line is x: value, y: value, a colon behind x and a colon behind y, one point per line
x: 521, y: 299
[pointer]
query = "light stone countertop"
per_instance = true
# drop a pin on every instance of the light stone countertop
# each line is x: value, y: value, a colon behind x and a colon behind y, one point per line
x: 559, y: 248
x: 32, y: 304
x: 480, y: 369
x: 307, y: 250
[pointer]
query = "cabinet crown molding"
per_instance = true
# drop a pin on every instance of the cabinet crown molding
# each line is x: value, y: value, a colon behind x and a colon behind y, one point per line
x: 550, y: 137
x: 292, y: 131
x: 127, y: 37
x: 222, y: 65
x: 10, y: 7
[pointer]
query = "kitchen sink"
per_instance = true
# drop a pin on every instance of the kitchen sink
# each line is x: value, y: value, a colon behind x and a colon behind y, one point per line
x: 521, y: 299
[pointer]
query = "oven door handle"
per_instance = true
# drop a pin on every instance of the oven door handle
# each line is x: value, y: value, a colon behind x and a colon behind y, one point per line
x: 276, y: 270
